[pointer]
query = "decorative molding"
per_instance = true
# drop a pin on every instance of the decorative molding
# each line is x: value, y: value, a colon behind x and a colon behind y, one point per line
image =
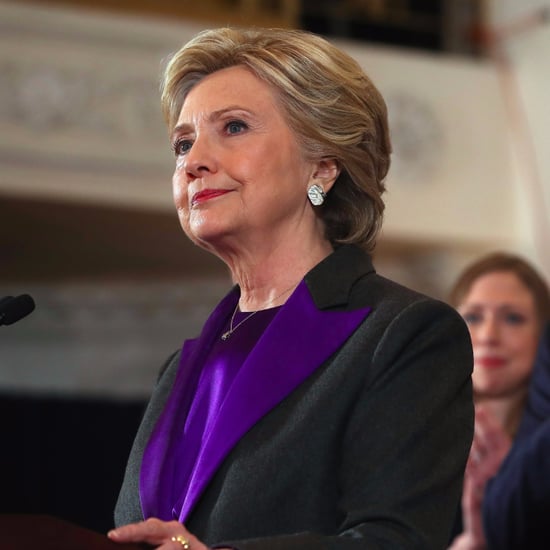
x: 51, y: 100
x: 106, y: 339
x: 418, y: 137
x: 79, y: 100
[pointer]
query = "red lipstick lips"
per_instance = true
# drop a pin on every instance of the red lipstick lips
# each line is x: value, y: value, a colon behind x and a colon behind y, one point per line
x: 491, y: 362
x: 206, y: 195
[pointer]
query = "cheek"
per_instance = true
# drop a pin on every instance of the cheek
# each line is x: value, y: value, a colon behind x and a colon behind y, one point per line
x: 179, y: 190
x: 474, y: 335
x: 179, y: 194
x: 525, y: 352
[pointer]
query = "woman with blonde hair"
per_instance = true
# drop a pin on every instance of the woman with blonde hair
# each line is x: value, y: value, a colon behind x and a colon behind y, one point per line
x: 322, y: 405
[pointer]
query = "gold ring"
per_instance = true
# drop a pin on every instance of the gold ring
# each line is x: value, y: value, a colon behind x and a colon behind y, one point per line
x: 182, y: 540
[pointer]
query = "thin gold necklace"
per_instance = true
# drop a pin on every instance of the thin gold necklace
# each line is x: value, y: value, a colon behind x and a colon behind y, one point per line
x: 225, y: 336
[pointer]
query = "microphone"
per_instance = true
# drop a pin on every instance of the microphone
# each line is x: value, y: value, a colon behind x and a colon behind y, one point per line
x: 4, y: 301
x: 13, y: 309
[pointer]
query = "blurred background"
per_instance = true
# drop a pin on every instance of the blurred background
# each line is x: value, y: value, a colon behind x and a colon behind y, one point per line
x: 89, y: 230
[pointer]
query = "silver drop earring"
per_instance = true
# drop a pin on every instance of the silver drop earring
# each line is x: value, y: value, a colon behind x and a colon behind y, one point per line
x: 316, y: 195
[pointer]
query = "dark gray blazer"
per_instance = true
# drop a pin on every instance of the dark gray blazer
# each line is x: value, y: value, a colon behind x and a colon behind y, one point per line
x: 367, y: 452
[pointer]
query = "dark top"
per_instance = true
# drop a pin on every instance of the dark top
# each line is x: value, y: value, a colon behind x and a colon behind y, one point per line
x: 517, y: 500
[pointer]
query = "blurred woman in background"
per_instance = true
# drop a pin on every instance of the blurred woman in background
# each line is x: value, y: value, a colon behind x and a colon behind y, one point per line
x: 505, y: 303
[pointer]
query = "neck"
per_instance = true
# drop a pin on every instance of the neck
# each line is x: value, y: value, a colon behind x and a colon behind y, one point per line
x: 506, y: 410
x: 267, y: 278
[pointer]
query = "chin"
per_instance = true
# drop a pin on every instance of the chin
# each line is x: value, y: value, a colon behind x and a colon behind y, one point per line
x: 206, y: 232
x: 209, y: 240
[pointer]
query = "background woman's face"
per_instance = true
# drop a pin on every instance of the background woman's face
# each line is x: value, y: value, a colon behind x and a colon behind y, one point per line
x: 240, y: 175
x: 501, y: 315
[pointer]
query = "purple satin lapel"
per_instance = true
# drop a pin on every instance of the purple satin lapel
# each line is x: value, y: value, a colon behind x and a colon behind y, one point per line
x: 156, y: 455
x: 283, y: 358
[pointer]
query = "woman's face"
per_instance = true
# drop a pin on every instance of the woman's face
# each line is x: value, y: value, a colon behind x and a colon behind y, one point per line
x: 501, y: 315
x: 240, y: 178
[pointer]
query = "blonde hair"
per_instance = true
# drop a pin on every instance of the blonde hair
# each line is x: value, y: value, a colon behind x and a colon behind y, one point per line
x: 330, y: 104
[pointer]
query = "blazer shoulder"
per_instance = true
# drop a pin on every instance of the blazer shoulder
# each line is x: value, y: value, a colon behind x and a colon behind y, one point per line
x: 381, y: 293
x: 400, y: 314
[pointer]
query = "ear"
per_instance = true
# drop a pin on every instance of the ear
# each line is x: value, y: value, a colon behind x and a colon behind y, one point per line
x: 325, y: 173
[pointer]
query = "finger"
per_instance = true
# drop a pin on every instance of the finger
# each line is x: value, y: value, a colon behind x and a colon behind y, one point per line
x: 498, y: 438
x: 152, y: 531
x: 481, y: 434
x: 475, y: 457
x: 178, y: 542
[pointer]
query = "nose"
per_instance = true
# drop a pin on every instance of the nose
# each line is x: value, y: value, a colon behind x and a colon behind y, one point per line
x: 488, y: 331
x: 199, y: 159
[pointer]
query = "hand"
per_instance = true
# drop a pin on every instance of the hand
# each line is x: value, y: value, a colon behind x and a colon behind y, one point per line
x: 490, y: 446
x: 157, y: 533
x: 465, y: 541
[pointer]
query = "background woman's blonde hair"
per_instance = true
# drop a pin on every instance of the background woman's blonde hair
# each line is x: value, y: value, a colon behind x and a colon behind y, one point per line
x: 504, y: 262
x: 331, y: 105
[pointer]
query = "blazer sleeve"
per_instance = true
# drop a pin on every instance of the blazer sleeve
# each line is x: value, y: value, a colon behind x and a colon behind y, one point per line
x: 406, y: 442
x: 128, y: 505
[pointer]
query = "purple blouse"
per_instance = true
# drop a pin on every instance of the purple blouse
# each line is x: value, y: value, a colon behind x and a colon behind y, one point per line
x: 205, y: 397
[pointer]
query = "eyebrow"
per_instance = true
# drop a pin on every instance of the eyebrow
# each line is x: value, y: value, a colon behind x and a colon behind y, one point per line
x: 499, y: 307
x: 185, y: 127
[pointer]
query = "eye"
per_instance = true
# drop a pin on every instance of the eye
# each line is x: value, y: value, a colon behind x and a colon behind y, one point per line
x: 235, y: 127
x: 472, y: 317
x: 181, y: 146
x: 513, y: 318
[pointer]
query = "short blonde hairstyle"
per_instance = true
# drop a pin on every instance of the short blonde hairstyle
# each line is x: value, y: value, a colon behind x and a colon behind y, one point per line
x: 331, y: 105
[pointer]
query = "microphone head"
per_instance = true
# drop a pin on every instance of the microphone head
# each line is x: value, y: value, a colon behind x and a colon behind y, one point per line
x: 14, y: 309
x: 4, y: 301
